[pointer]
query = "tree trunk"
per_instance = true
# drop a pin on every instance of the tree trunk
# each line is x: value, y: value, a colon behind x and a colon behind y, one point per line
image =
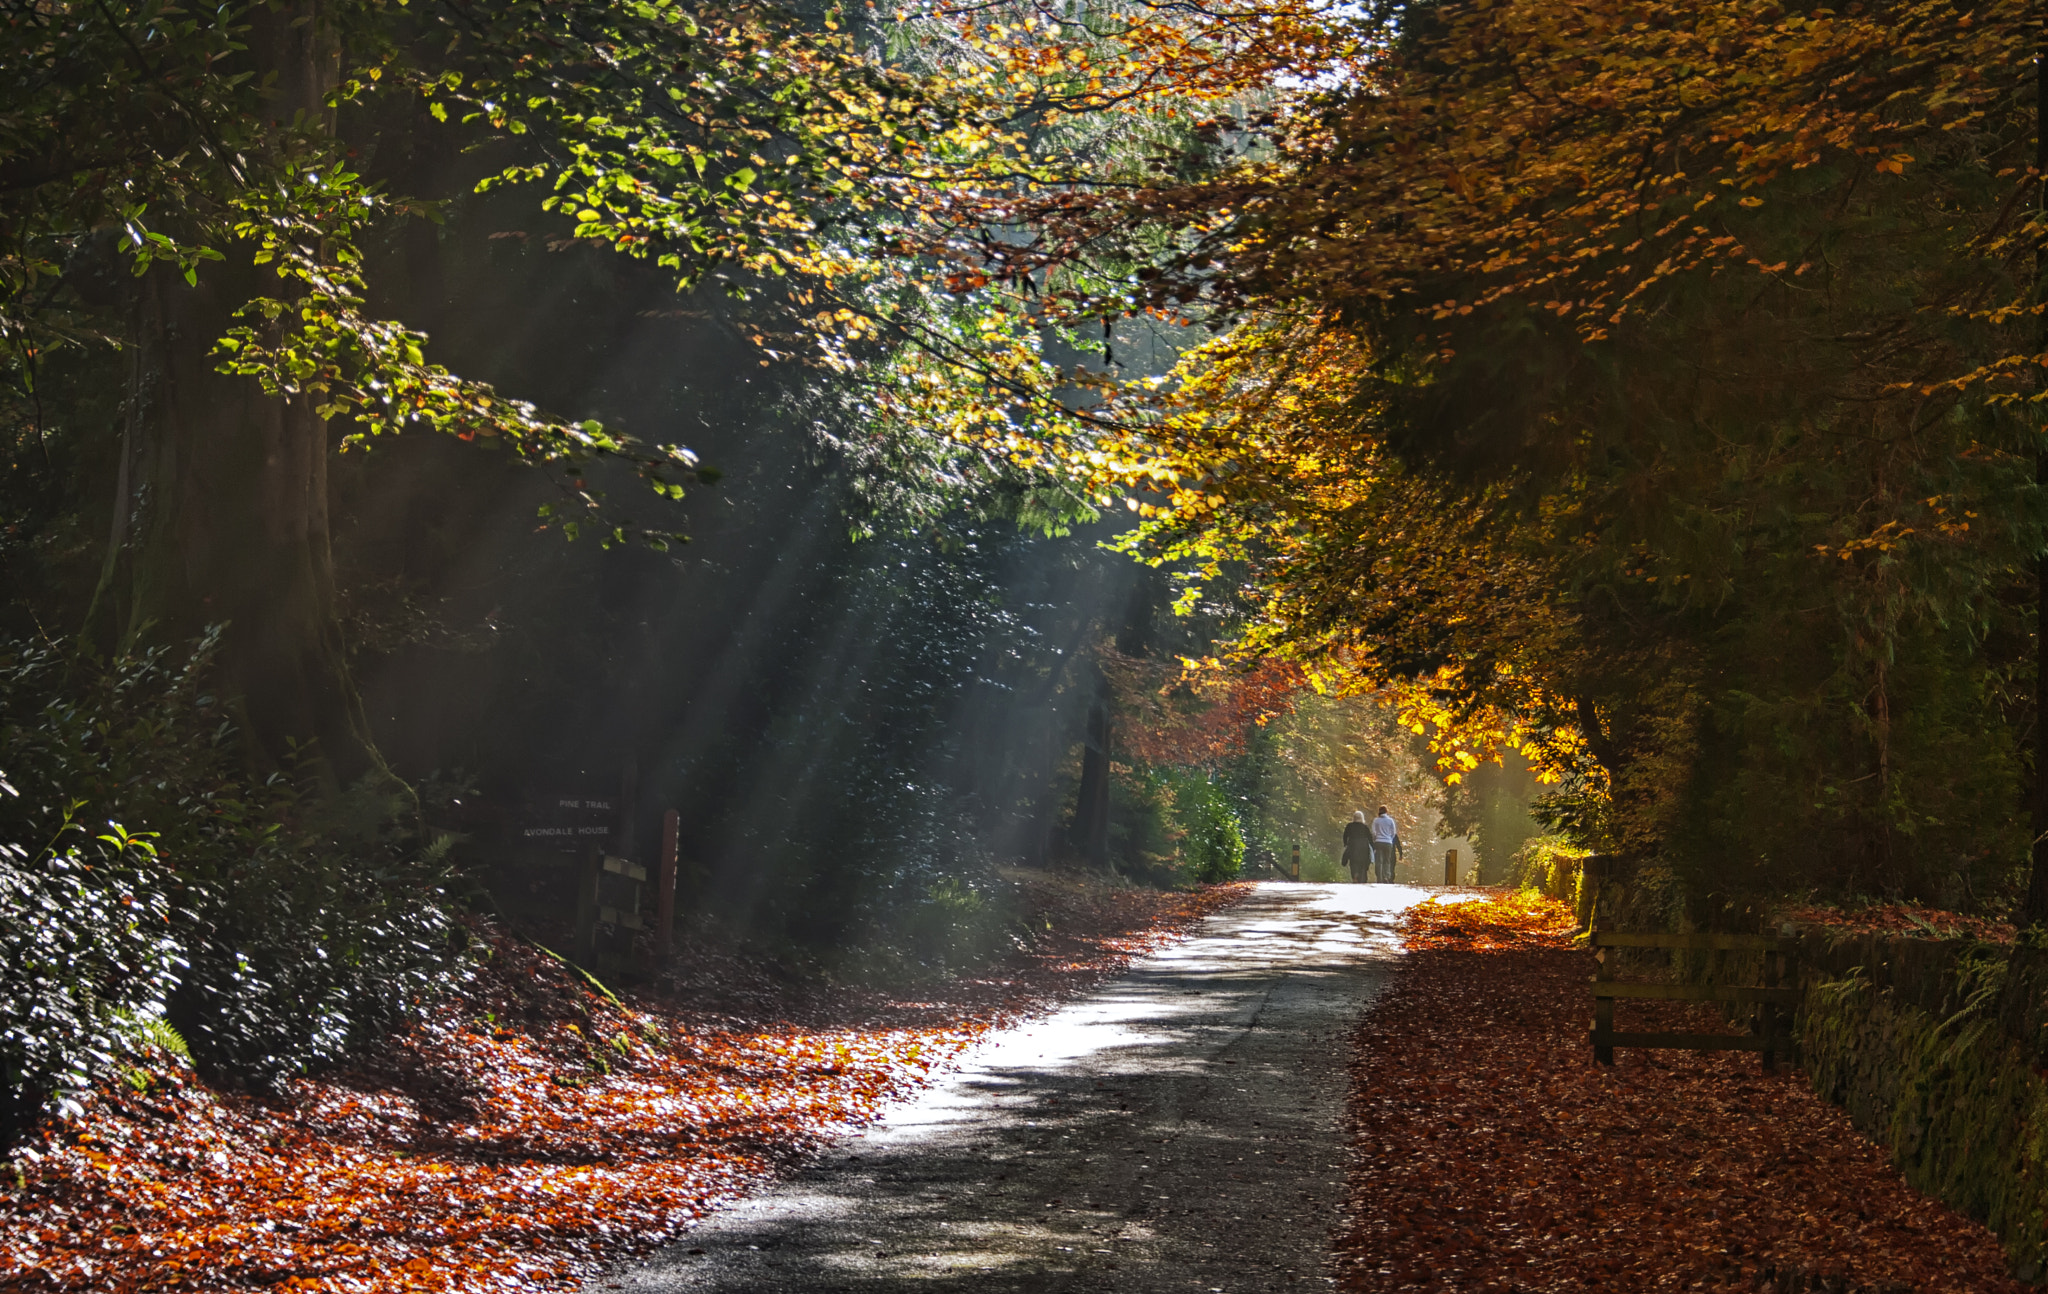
x: 2034, y: 910
x: 235, y: 532
x: 1091, y: 809
x: 232, y: 484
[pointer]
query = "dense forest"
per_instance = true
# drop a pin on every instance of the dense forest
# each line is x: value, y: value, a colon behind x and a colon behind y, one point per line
x: 288, y: 701
x: 913, y: 444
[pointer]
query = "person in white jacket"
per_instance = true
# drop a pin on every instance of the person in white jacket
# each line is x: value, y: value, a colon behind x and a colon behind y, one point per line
x: 1386, y: 845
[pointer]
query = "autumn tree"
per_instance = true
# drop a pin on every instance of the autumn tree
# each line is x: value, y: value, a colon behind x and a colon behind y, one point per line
x: 194, y: 220
x: 1657, y: 386
x: 209, y: 238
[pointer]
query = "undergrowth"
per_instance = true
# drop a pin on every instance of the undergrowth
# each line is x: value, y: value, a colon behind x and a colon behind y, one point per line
x: 146, y: 875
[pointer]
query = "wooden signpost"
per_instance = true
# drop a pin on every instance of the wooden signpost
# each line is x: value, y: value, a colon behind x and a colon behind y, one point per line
x: 566, y: 821
x: 625, y: 914
x: 609, y: 900
x: 589, y: 882
x: 607, y: 903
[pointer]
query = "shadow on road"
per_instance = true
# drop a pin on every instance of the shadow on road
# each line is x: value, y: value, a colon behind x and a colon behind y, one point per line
x: 1178, y: 1129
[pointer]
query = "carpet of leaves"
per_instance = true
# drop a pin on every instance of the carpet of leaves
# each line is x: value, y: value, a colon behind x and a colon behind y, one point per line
x: 525, y: 1133
x: 1495, y: 1155
x: 1905, y: 919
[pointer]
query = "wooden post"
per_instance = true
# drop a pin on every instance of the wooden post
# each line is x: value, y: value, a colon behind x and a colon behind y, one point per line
x: 1294, y: 864
x: 1767, y: 1015
x: 1450, y: 867
x: 1603, y: 1008
x: 587, y: 879
x: 665, y: 890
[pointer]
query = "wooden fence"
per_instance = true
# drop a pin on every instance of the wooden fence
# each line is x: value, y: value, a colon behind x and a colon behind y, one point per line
x: 1774, y: 999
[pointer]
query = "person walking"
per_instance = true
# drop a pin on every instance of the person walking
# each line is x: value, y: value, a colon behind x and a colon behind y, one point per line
x: 1358, y: 847
x: 1386, y: 845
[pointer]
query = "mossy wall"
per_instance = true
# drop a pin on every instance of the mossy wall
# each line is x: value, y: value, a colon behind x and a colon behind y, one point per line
x: 1552, y: 867
x: 1935, y: 1048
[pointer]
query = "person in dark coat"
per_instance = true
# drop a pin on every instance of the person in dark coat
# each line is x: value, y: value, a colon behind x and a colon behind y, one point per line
x: 1358, y: 847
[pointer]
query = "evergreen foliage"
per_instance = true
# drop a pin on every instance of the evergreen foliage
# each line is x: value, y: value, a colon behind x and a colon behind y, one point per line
x: 86, y: 947
x: 274, y: 928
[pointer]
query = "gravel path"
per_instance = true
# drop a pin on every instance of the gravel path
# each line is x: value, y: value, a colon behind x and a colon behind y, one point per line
x: 1178, y: 1129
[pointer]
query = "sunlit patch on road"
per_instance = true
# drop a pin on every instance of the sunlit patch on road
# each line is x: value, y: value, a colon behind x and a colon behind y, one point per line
x: 1178, y: 1127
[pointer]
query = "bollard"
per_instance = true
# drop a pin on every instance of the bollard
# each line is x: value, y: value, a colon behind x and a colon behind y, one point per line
x: 1294, y: 866
x: 1450, y: 867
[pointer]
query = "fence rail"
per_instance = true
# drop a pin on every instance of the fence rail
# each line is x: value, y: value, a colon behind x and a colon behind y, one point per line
x: 1772, y: 998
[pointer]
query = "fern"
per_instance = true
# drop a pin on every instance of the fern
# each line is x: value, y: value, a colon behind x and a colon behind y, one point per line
x: 152, y: 1033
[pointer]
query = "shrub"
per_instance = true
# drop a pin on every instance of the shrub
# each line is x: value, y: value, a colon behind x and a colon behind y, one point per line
x: 1143, y: 832
x: 1212, y: 840
x: 86, y: 952
x: 309, y: 922
x: 315, y: 935
x: 957, y: 925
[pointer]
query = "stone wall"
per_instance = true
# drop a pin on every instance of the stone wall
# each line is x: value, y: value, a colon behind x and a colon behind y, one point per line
x: 1935, y: 1048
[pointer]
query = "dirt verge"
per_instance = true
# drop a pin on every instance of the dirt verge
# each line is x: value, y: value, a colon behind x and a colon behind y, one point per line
x: 523, y: 1135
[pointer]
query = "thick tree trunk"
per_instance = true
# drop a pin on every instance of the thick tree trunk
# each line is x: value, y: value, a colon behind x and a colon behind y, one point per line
x: 235, y: 531
x: 231, y: 484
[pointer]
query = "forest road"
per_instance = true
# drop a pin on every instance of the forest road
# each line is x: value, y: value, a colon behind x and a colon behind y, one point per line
x: 1177, y: 1129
